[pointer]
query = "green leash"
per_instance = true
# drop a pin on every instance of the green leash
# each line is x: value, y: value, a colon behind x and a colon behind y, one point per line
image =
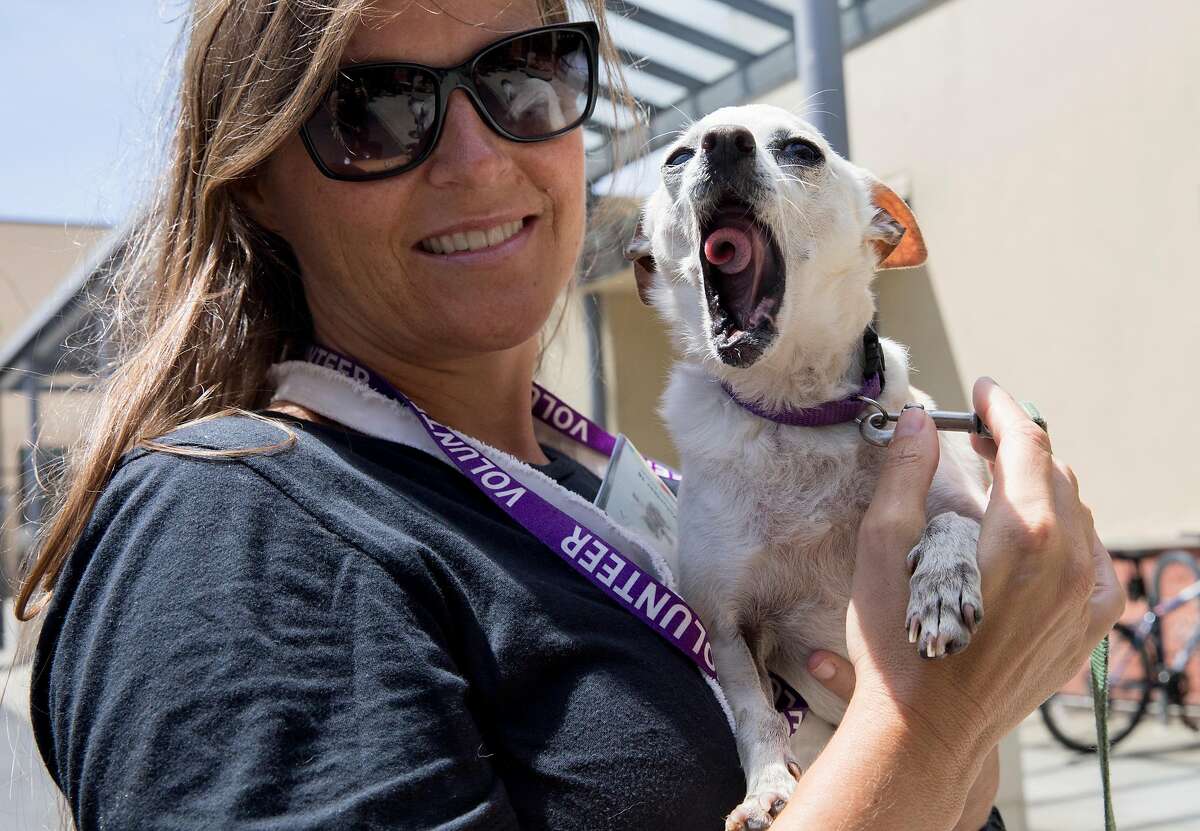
x: 1100, y: 707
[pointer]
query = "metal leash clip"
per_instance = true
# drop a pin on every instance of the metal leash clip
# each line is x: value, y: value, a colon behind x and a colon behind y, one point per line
x: 873, y: 425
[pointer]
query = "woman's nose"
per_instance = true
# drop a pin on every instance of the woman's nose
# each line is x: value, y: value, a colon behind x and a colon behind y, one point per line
x: 469, y: 152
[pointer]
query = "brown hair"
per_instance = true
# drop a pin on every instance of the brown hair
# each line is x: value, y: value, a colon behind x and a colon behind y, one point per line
x: 204, y: 300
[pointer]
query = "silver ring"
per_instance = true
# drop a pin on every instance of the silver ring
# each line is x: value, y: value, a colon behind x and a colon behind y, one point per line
x: 870, y: 432
x: 871, y: 402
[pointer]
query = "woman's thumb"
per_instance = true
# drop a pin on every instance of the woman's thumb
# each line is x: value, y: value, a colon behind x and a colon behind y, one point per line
x: 897, y: 511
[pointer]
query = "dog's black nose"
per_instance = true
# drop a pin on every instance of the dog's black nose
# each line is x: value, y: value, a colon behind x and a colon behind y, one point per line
x: 728, y: 145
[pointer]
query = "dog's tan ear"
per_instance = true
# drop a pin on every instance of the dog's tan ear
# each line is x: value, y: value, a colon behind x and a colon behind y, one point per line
x: 644, y: 267
x: 894, y: 232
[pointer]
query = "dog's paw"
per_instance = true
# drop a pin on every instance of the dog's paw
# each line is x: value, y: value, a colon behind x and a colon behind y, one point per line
x: 767, y: 796
x: 944, y: 606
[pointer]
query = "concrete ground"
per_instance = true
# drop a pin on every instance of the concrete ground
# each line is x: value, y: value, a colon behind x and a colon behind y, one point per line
x: 1155, y: 775
x: 28, y: 798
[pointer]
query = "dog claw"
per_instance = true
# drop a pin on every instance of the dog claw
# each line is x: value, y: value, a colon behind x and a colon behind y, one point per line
x: 767, y: 796
x: 970, y: 617
x: 914, y: 629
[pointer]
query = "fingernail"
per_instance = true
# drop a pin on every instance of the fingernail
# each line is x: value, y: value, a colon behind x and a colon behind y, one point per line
x: 910, y: 422
x: 823, y: 670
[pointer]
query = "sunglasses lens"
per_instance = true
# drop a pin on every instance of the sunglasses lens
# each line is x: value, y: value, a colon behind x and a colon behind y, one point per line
x: 374, y: 121
x: 538, y: 85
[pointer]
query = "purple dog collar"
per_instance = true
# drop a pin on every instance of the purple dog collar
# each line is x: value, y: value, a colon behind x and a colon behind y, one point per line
x: 831, y: 412
x: 822, y: 415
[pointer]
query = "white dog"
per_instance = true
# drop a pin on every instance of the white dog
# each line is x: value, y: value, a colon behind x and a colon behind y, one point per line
x: 759, y: 248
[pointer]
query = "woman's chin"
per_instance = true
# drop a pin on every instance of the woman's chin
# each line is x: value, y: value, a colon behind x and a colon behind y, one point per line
x: 492, y: 330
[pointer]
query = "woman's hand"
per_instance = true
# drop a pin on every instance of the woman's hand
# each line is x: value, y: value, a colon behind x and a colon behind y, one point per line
x: 1048, y: 585
x: 837, y: 674
x: 917, y: 733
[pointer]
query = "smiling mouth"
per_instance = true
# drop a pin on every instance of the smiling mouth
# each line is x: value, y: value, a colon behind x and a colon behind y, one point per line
x: 474, y: 240
x: 744, y: 279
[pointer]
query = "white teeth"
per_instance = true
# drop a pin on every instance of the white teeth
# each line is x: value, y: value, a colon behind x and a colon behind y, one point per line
x: 473, y: 240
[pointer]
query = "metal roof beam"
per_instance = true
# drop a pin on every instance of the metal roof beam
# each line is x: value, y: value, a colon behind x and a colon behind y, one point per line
x: 653, y: 67
x: 765, y: 73
x: 766, y: 11
x: 682, y: 31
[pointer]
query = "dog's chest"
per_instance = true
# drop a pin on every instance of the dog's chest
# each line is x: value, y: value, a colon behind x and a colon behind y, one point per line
x: 809, y: 489
x: 793, y: 498
x: 811, y: 494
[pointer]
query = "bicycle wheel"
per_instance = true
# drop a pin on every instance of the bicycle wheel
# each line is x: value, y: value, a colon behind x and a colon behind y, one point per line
x: 1173, y: 572
x: 1068, y: 713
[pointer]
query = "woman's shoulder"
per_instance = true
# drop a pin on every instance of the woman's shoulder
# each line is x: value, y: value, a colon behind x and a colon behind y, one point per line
x: 251, y: 472
x: 233, y: 505
x: 232, y: 467
x: 219, y: 438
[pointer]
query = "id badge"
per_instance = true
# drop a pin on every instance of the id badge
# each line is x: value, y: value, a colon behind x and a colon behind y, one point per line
x: 634, y: 495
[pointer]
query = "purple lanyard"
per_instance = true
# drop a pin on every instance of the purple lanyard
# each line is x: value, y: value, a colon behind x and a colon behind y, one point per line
x: 584, y: 550
x: 576, y: 426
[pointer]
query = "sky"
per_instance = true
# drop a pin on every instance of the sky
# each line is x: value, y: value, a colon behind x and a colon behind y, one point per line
x: 92, y: 79
x: 89, y: 79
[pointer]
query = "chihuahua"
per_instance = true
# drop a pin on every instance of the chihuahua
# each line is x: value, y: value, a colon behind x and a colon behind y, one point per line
x: 759, y: 248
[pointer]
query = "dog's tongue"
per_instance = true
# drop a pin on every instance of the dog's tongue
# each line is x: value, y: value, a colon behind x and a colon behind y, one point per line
x: 729, y: 249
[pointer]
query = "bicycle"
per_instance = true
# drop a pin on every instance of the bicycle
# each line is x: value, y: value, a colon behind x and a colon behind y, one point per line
x: 1139, y: 662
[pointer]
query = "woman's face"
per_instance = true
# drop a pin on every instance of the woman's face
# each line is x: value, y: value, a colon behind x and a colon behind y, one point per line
x: 370, y: 283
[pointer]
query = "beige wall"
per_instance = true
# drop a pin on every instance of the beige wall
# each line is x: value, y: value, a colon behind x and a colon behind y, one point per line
x: 637, y: 355
x: 1052, y: 151
x: 34, y: 260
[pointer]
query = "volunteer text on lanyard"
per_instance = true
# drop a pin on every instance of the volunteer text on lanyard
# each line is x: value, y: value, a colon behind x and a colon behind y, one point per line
x: 640, y: 594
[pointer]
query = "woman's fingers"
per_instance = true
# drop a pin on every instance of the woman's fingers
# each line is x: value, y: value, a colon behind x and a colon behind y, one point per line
x: 890, y: 528
x: 1023, y: 462
x: 897, y: 511
x: 834, y: 672
x: 985, y: 448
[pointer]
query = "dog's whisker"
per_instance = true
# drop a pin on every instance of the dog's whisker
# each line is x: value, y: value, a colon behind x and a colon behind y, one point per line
x: 808, y: 186
x: 795, y: 110
x: 798, y: 210
x: 688, y: 120
x: 652, y: 139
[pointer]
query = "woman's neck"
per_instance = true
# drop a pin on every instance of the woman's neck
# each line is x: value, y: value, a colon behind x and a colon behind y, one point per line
x: 485, y: 396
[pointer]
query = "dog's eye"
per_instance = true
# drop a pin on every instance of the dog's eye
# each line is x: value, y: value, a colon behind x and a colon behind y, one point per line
x: 680, y: 156
x: 803, y: 151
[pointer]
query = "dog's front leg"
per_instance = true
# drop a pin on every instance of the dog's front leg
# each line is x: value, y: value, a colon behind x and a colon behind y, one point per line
x: 945, y: 605
x: 762, y: 733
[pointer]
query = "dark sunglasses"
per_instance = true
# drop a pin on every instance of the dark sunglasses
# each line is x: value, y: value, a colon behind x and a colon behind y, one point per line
x: 382, y: 119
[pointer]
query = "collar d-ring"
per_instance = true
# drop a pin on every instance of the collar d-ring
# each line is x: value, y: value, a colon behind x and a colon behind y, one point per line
x: 871, y: 425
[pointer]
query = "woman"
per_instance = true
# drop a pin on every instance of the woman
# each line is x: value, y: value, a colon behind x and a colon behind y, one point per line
x: 286, y: 620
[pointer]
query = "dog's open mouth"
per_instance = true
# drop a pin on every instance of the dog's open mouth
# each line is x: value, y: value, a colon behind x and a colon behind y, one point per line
x: 743, y: 282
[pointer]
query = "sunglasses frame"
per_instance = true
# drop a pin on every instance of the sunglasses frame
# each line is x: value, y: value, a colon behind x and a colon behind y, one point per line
x: 448, y: 79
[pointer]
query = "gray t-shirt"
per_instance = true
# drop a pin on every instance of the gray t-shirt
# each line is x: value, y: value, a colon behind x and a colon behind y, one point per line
x: 348, y: 635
